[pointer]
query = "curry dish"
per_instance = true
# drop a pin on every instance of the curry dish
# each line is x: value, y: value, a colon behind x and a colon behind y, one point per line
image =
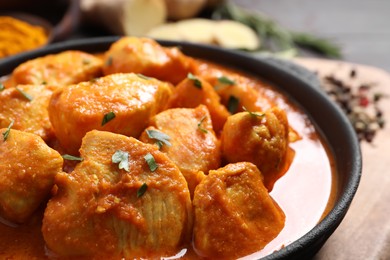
x: 145, y: 152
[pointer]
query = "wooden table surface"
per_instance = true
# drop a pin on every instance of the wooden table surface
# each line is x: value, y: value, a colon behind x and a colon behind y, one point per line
x: 365, y: 231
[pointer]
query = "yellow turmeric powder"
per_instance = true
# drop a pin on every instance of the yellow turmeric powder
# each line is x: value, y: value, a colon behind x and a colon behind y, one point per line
x: 18, y: 36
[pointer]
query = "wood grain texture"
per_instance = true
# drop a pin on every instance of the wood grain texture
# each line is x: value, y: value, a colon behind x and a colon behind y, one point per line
x: 365, y: 231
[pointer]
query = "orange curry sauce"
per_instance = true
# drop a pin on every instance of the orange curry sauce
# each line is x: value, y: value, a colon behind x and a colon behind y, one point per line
x: 305, y: 194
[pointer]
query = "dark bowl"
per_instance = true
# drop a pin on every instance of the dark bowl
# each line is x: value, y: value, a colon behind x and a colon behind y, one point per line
x: 302, y: 88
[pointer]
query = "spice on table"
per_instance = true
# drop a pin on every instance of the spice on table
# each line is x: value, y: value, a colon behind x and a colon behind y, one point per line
x: 17, y: 36
x: 360, y: 103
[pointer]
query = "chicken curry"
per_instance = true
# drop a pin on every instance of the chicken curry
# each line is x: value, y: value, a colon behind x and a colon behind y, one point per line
x: 145, y: 152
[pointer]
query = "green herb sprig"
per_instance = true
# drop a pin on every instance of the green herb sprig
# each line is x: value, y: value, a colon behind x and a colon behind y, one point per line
x: 232, y: 105
x: 109, y: 61
x: 225, y: 80
x: 151, y: 162
x: 197, y: 82
x: 253, y: 114
x: 122, y: 158
x: 6, y: 133
x: 160, y: 137
x: 200, y: 127
x: 142, y: 76
x: 108, y: 117
x: 24, y: 94
x: 72, y: 158
x: 141, y: 191
x: 275, y: 38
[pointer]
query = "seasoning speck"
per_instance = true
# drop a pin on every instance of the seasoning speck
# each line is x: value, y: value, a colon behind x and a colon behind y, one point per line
x: 359, y: 102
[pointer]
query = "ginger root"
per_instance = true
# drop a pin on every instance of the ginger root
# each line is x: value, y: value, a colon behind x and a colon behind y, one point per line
x: 125, y: 17
x: 224, y: 33
x: 183, y: 9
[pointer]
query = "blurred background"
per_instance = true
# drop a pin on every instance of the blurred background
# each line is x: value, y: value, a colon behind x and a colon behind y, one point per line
x: 358, y: 28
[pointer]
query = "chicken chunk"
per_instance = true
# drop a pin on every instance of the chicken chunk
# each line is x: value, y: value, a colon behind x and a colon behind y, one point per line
x: 27, y: 171
x: 68, y: 67
x: 27, y: 105
x: 259, y: 138
x: 147, y: 57
x: 120, y: 103
x: 193, y: 91
x: 193, y: 147
x: 234, y: 214
x: 125, y: 199
x: 236, y: 91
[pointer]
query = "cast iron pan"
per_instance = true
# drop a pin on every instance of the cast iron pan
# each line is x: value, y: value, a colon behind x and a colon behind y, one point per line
x: 302, y: 88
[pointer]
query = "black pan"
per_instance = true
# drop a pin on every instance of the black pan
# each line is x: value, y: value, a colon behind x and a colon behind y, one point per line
x: 302, y: 88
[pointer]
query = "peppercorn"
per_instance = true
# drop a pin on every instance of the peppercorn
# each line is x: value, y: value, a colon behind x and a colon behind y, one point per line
x: 358, y: 103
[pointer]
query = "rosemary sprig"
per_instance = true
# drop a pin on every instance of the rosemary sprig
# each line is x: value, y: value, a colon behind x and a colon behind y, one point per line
x: 317, y: 44
x: 275, y: 38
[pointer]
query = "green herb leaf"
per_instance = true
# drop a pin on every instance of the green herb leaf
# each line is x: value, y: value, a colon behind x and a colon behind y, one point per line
x: 108, y: 117
x: 226, y: 80
x: 72, y: 158
x: 200, y: 127
x: 159, y: 144
x: 6, y: 133
x: 122, y: 158
x: 160, y: 137
x: 233, y: 104
x: 197, y: 82
x: 25, y: 95
x: 141, y: 191
x: 253, y: 114
x: 143, y: 76
x: 1, y: 87
x: 151, y: 162
x: 317, y: 44
x: 109, y: 61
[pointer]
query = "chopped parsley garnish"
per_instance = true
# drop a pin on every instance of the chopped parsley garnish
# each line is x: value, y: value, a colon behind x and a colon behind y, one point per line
x: 72, y: 158
x: 109, y: 61
x: 6, y: 133
x: 108, y: 117
x: 200, y: 127
x: 151, y: 162
x: 25, y: 95
x: 253, y: 114
x: 1, y: 87
x: 141, y: 191
x: 226, y: 80
x: 197, y: 82
x: 122, y: 158
x: 160, y: 137
x: 233, y: 104
x: 143, y: 76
